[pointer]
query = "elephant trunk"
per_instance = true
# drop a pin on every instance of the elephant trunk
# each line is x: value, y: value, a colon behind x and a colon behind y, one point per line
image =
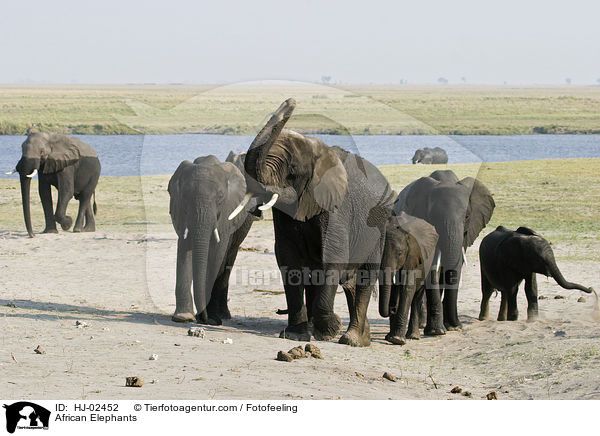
x: 558, y: 277
x: 25, y: 196
x: 385, y: 290
x: 200, y: 251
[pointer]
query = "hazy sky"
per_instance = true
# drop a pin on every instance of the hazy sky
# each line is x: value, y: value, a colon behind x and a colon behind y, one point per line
x: 488, y: 42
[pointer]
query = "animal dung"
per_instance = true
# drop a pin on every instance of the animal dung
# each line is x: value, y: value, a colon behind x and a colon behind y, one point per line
x: 492, y: 396
x: 581, y: 300
x: 282, y: 356
x: 542, y: 297
x: 559, y: 297
x: 456, y: 390
x: 228, y: 341
x: 81, y: 324
x: 390, y: 377
x: 153, y: 357
x: 313, y: 350
x: 467, y: 394
x: 560, y: 333
x: 134, y: 382
x: 40, y: 350
x: 197, y: 332
x: 297, y: 352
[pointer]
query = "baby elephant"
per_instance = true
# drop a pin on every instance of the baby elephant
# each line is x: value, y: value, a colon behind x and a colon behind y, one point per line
x: 407, y: 259
x: 507, y: 258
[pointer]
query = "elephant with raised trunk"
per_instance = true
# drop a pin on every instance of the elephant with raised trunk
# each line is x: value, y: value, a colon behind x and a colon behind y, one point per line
x: 507, y: 258
x: 204, y: 195
x: 329, y: 212
x: 428, y: 155
x: 407, y: 258
x: 459, y: 210
x: 68, y: 164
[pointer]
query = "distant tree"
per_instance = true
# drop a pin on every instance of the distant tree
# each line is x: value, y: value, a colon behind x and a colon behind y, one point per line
x: 325, y: 79
x: 568, y: 80
x: 442, y: 81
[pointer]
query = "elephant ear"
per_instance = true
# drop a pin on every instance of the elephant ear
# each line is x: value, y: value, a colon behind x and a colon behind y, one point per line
x: 236, y: 187
x: 174, y: 189
x: 526, y: 231
x: 327, y: 187
x: 423, y: 233
x: 63, y: 152
x: 479, y: 210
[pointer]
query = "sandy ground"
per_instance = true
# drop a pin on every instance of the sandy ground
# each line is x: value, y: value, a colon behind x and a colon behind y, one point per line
x: 121, y: 285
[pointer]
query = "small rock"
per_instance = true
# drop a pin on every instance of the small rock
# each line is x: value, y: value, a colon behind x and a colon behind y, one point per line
x: 177, y: 345
x: 11, y: 304
x: 541, y: 297
x: 456, y: 390
x: 560, y: 333
x: 284, y: 357
x: 297, y: 352
x: 359, y: 375
x: 559, y: 297
x: 228, y: 341
x: 197, y: 332
x: 134, y: 382
x: 40, y: 350
x: 266, y: 250
x: 467, y: 394
x: 313, y: 350
x: 153, y: 357
x: 390, y: 377
x: 581, y: 300
x: 105, y: 329
x: 81, y: 324
x: 492, y: 396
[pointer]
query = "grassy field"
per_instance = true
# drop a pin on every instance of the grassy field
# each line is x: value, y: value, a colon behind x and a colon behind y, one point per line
x: 558, y: 198
x: 240, y: 109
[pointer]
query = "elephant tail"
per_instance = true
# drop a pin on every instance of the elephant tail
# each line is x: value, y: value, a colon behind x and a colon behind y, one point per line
x: 282, y: 311
x: 95, y: 208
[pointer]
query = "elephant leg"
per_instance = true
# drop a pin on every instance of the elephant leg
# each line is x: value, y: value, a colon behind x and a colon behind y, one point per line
x: 325, y: 323
x: 486, y: 291
x: 297, y: 328
x: 513, y: 312
x: 399, y: 323
x: 45, y: 192
x: 422, y: 310
x: 220, y: 291
x: 358, y: 333
x: 415, y: 315
x: 90, y: 219
x: 532, y: 298
x: 184, y: 307
x: 503, y: 306
x: 84, y: 205
x: 65, y: 193
x: 451, y: 321
x: 435, y: 319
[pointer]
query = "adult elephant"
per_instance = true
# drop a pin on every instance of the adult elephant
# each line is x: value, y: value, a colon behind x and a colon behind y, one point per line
x: 459, y: 210
x: 428, y: 155
x: 407, y: 258
x: 204, y: 193
x: 507, y: 258
x: 68, y: 164
x: 329, y: 212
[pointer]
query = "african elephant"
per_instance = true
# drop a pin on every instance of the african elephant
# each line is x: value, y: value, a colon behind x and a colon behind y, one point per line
x: 428, y: 155
x: 507, y: 258
x: 68, y: 164
x: 203, y: 195
x: 329, y: 212
x: 458, y: 210
x: 407, y: 258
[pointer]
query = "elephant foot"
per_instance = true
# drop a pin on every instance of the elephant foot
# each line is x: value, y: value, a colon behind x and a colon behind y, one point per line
x: 65, y: 223
x: 453, y: 327
x: 225, y: 313
x: 325, y: 328
x: 357, y: 337
x: 532, y: 317
x: 183, y: 317
x: 50, y: 230
x: 86, y: 229
x: 208, y: 319
x: 482, y: 317
x: 434, y: 331
x: 394, y: 339
x: 415, y: 336
x: 296, y: 333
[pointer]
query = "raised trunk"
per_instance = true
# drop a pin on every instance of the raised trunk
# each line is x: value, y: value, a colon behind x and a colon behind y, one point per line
x: 25, y: 195
x: 558, y: 277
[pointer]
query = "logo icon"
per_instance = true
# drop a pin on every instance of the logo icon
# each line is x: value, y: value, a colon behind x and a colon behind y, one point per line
x: 26, y: 415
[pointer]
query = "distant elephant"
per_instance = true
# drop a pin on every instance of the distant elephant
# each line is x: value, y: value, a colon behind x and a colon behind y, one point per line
x: 458, y: 210
x: 407, y: 258
x: 68, y: 164
x: 428, y: 155
x: 329, y: 212
x: 507, y: 258
x: 203, y: 196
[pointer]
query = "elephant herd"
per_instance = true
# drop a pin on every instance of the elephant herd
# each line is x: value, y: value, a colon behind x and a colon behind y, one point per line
x: 336, y: 222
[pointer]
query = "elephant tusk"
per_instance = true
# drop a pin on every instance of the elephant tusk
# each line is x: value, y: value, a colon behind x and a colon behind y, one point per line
x: 217, y: 238
x: 464, y: 253
x: 270, y: 204
x: 10, y: 173
x: 240, y: 207
x: 32, y: 174
x: 185, y: 233
x: 438, y: 262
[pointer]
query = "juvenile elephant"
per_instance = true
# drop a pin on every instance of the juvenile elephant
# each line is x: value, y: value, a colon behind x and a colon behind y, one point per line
x: 204, y: 193
x: 458, y: 210
x: 428, y: 155
x: 68, y: 164
x: 407, y: 258
x: 329, y: 212
x: 507, y: 258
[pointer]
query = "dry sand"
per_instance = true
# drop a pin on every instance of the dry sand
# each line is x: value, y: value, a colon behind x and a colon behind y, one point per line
x: 121, y: 285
